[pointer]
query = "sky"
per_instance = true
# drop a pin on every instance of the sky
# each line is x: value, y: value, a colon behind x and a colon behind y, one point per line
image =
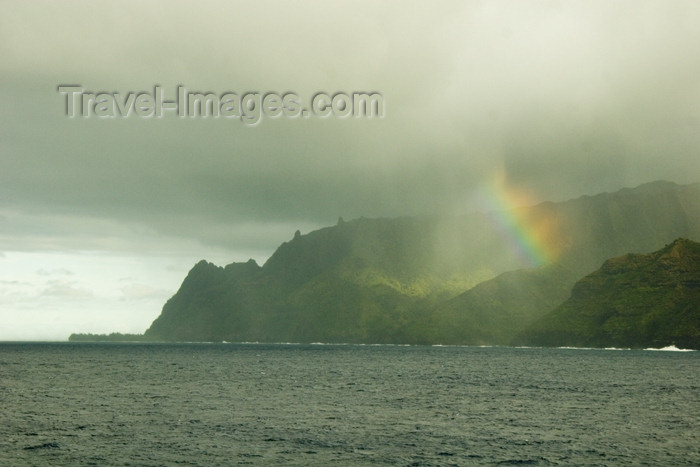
x: 101, y: 218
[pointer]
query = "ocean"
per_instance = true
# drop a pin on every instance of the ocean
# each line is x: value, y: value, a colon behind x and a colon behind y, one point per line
x: 108, y: 404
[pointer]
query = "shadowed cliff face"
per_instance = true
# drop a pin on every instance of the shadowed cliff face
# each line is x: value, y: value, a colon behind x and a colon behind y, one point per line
x: 634, y: 300
x: 422, y: 280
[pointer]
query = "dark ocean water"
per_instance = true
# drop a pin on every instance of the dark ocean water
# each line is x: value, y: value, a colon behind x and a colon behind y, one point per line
x: 313, y: 405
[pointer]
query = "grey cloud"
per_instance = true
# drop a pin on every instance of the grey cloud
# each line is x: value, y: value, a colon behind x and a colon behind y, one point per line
x: 564, y: 98
x: 66, y: 290
x: 15, y: 283
x: 54, y: 272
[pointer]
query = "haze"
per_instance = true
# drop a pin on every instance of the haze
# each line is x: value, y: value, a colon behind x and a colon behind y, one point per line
x: 100, y: 219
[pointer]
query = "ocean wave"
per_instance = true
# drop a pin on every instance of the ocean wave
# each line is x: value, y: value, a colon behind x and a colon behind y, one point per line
x: 671, y: 348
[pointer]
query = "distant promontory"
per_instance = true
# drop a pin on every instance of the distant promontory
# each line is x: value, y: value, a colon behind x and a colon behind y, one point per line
x: 634, y: 300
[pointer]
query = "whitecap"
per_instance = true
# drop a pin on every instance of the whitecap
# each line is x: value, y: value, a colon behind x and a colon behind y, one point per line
x: 670, y: 348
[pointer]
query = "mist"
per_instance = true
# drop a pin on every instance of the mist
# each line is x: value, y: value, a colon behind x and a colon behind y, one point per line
x: 549, y: 100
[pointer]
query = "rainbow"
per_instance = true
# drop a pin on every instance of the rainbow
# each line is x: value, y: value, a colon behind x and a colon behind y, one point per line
x: 527, y: 239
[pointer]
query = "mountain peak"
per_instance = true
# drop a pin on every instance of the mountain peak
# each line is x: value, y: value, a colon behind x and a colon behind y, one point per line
x: 681, y: 247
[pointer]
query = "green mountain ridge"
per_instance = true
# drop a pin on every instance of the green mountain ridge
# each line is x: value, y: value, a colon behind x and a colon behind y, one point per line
x: 635, y: 300
x: 422, y: 280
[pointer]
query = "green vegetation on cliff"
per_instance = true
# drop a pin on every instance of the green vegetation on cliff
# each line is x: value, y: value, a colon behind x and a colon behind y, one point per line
x: 359, y: 281
x: 634, y: 300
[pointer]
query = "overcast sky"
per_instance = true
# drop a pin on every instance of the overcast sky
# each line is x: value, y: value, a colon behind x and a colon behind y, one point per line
x: 101, y: 218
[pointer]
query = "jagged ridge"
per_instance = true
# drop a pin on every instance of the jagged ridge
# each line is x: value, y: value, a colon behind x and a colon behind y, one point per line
x: 421, y: 280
